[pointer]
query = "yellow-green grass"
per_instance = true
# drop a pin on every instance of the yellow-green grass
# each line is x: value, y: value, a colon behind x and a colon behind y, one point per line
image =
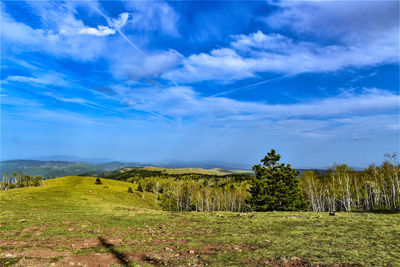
x: 64, y: 221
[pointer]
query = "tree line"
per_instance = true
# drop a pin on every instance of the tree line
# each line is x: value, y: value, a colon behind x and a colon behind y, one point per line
x: 278, y: 186
x: 197, y: 195
x: 19, y: 180
x: 341, y: 189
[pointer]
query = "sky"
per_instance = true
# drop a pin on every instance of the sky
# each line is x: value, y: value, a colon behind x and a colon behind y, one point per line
x: 157, y: 81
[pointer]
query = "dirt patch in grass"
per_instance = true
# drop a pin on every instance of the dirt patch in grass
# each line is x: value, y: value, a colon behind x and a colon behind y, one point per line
x: 40, y: 253
x: 167, y: 259
x: 33, y: 262
x: 108, y: 259
x: 91, y: 260
x: 14, y: 243
x: 77, y: 243
x: 293, y: 262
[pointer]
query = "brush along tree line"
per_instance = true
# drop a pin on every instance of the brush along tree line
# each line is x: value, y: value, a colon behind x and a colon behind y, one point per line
x: 341, y: 189
x: 277, y: 186
x: 19, y: 180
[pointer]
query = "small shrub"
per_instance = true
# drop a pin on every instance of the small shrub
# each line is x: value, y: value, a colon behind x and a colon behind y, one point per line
x: 130, y: 190
x: 98, y: 181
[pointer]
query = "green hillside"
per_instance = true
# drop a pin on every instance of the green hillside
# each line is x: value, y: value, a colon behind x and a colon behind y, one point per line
x: 71, y: 221
x: 75, y: 193
x: 52, y: 169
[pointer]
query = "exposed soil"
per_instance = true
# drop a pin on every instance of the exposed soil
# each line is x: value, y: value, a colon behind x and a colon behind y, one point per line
x: 63, y: 252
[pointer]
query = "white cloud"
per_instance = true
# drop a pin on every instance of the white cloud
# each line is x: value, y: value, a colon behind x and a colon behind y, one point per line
x: 259, y: 40
x: 62, y: 35
x: 136, y: 66
x: 345, y: 21
x: 120, y: 21
x: 100, y: 31
x: 259, y: 52
x: 63, y: 41
x: 115, y: 24
x: 344, y: 33
x: 68, y: 37
x: 149, y: 16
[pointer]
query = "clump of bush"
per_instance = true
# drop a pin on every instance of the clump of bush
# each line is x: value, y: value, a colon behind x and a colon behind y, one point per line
x: 19, y: 180
x: 130, y: 190
x: 98, y: 181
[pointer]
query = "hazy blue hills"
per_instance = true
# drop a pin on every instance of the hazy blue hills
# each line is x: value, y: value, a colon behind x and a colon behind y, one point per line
x: 58, y: 166
x: 73, y: 159
x: 50, y: 169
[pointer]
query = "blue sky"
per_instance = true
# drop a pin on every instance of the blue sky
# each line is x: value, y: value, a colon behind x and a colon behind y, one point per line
x: 155, y: 81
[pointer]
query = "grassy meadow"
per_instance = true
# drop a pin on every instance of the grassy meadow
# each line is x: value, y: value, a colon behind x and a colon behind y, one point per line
x: 70, y: 221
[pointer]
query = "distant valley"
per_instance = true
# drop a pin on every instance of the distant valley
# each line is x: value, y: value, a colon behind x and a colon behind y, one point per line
x: 59, y: 168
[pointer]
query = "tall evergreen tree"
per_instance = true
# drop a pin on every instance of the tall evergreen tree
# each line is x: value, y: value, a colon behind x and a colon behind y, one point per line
x: 275, y: 186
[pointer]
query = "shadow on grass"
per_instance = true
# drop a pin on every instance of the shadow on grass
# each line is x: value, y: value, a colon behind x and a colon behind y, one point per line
x: 121, y: 257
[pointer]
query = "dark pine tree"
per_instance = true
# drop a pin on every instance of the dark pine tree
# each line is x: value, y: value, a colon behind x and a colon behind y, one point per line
x: 275, y: 186
x: 98, y: 181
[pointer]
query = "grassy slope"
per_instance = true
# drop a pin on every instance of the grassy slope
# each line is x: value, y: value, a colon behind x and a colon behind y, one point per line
x: 74, y: 193
x: 63, y: 221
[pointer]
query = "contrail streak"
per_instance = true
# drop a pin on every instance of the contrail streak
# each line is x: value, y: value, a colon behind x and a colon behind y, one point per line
x: 119, y: 31
x: 253, y: 84
x: 159, y: 116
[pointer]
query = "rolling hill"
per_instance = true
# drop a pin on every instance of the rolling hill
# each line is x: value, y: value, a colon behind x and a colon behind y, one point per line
x: 79, y: 193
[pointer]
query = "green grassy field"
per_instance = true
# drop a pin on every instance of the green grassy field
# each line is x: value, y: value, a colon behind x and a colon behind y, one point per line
x: 70, y: 221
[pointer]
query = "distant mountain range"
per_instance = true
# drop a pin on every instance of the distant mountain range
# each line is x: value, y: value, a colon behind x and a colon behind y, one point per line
x: 50, y: 169
x: 72, y: 159
x: 58, y: 166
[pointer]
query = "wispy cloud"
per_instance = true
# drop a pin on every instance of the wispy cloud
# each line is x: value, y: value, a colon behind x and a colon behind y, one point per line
x: 65, y: 42
x: 53, y: 79
x: 347, y: 22
x: 153, y: 65
x: 256, y: 53
x: 69, y: 37
x: 181, y: 102
x: 65, y: 99
x: 150, y: 16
